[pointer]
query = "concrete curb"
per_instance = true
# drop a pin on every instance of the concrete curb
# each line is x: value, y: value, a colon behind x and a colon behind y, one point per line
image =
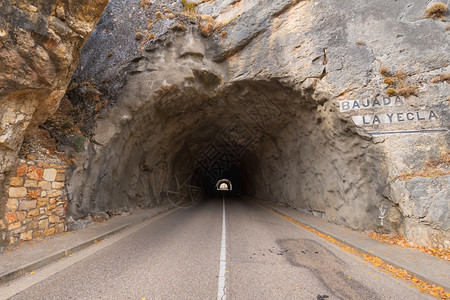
x: 42, y: 262
x: 382, y: 257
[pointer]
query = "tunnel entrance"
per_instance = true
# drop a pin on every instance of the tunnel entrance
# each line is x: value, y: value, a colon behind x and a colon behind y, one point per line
x: 178, y: 110
x: 172, y: 135
x: 272, y: 142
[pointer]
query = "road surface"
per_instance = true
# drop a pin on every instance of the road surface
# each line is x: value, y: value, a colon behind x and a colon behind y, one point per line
x: 178, y: 256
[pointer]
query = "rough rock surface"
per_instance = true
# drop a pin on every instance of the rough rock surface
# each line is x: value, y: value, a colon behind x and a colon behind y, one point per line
x: 425, y: 205
x: 262, y: 96
x: 293, y: 100
x: 40, y: 44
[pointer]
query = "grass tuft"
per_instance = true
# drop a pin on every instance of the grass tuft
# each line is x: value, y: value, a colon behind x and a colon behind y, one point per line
x: 145, y: 4
x: 436, y: 10
x: 158, y: 16
x: 391, y: 92
x: 207, y: 25
x: 400, y: 75
x: 384, y: 71
x: 224, y: 35
x: 389, y: 81
x: 189, y: 7
x: 408, y: 91
x: 441, y: 78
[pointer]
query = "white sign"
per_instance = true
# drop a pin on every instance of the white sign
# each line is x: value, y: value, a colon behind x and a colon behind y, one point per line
x: 349, y: 105
x: 391, y: 118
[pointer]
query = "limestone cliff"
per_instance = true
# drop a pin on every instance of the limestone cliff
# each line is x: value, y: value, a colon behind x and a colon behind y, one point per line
x: 40, y: 44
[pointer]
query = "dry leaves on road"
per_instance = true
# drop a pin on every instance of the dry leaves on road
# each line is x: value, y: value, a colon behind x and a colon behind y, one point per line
x: 401, y: 241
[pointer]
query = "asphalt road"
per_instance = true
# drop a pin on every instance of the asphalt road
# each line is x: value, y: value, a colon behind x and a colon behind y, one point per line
x: 177, y: 256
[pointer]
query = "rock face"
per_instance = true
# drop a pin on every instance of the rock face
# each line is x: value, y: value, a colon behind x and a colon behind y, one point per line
x: 425, y: 205
x: 288, y: 98
x: 40, y: 43
x: 337, y: 109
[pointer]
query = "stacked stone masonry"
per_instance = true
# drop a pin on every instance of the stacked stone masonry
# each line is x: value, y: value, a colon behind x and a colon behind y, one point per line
x: 37, y: 201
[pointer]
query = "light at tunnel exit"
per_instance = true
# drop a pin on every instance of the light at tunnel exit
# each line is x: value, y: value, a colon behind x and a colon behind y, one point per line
x: 224, y: 185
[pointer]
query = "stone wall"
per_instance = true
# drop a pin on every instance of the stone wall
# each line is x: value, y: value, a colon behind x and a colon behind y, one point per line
x: 37, y: 201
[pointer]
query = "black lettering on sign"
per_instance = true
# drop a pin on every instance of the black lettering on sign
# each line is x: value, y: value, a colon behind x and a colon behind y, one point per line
x: 398, y: 101
x: 390, y: 117
x: 418, y: 117
x: 376, y: 102
x: 366, y: 103
x: 364, y: 120
x: 393, y: 118
x: 376, y: 120
x: 433, y: 115
x: 345, y: 105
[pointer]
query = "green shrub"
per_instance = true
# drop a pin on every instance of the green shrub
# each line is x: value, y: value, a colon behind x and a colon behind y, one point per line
x: 78, y: 143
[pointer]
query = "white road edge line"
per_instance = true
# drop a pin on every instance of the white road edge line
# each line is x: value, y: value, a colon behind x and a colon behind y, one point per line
x: 223, y: 258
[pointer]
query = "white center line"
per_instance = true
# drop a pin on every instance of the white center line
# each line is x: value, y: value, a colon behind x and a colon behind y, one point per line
x: 223, y: 258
